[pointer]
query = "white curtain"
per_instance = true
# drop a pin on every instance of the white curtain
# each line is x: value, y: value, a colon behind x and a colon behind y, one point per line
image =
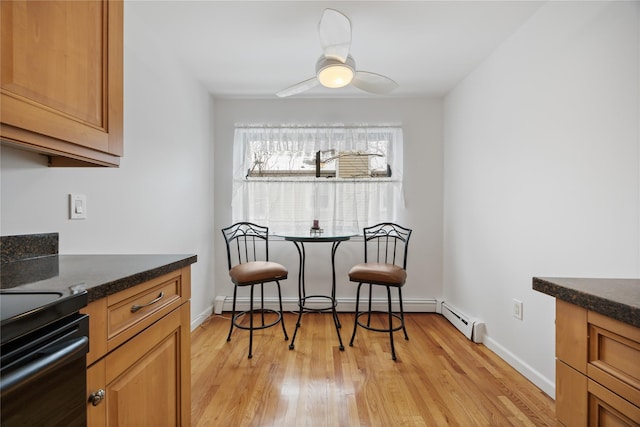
x: 289, y: 204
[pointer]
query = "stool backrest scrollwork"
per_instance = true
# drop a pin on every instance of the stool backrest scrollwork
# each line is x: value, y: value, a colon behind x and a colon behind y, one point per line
x: 387, y: 243
x: 246, y: 242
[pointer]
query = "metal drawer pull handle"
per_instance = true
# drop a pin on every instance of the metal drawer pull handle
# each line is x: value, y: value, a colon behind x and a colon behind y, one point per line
x: 135, y: 307
x: 97, y: 397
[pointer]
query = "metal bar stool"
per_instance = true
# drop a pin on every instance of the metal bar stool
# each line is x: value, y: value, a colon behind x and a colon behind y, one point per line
x: 385, y: 263
x: 249, y: 265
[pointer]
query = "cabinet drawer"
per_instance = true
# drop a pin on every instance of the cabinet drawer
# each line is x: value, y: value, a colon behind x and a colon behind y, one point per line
x: 134, y: 309
x: 614, y: 355
x: 111, y: 321
x: 608, y: 409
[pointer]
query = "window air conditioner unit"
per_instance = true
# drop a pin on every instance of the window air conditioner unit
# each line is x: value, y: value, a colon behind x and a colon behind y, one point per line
x: 353, y: 165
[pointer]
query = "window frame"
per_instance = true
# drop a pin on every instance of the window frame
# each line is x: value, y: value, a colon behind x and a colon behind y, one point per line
x: 383, y: 187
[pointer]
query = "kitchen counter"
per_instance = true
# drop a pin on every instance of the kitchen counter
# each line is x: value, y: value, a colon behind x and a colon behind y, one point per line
x: 100, y: 275
x: 615, y: 298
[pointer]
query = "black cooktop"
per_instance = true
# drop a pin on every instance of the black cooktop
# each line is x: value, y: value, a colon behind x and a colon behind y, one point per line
x: 23, y: 311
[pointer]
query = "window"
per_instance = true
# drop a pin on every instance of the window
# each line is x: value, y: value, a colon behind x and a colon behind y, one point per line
x: 345, y: 177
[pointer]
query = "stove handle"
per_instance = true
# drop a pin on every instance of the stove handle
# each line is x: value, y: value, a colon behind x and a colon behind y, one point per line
x: 137, y: 307
x: 50, y: 358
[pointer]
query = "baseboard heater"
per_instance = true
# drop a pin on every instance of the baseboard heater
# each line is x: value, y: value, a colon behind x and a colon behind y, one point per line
x: 470, y: 328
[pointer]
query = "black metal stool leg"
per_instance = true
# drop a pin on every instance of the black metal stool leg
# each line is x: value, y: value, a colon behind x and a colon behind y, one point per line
x: 233, y: 312
x: 336, y: 322
x: 251, y: 323
x: 355, y: 323
x: 286, y: 337
x: 262, y: 302
x: 370, y: 294
x: 406, y: 337
x: 393, y: 349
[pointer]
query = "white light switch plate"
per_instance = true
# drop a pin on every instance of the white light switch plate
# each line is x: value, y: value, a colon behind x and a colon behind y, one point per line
x: 77, y: 206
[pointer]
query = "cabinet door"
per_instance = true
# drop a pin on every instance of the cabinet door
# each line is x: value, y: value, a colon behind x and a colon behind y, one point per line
x: 608, y: 409
x: 571, y: 396
x: 614, y: 356
x: 61, y: 78
x: 148, y: 378
x: 96, y: 396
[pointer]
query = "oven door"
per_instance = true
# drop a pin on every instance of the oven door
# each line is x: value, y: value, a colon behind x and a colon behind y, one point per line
x: 43, y: 376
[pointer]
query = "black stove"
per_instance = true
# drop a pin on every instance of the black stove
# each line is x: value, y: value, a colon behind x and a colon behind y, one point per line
x: 23, y: 311
x: 43, y: 357
x: 44, y: 337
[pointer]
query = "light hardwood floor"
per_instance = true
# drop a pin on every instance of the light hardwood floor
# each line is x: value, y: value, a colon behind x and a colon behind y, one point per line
x: 439, y: 379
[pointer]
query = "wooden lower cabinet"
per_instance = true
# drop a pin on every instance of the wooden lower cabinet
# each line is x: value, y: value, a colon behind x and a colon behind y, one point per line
x: 145, y: 381
x: 597, y: 369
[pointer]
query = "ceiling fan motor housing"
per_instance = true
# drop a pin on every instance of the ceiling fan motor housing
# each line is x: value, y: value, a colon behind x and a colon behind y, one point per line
x: 333, y: 73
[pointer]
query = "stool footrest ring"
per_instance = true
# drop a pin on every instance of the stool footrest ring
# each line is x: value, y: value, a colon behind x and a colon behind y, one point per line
x: 371, y: 328
x: 303, y: 301
x: 256, y: 311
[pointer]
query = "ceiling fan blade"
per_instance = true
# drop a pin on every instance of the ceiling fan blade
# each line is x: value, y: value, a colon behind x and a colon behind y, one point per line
x: 373, y: 83
x: 334, y: 29
x: 299, y: 87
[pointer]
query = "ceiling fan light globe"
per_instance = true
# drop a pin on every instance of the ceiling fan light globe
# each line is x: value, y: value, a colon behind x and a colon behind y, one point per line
x: 334, y: 74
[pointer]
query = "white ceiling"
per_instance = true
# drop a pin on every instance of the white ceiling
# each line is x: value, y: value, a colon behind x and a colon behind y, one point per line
x: 256, y: 48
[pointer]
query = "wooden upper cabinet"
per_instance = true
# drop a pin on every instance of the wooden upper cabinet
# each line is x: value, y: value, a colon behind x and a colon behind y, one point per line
x: 61, y: 79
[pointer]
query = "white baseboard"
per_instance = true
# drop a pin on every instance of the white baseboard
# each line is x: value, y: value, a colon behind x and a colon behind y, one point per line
x: 200, y: 318
x: 422, y: 305
x: 542, y: 382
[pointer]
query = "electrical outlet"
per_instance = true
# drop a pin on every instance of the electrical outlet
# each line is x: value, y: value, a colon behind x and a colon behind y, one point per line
x: 517, y: 309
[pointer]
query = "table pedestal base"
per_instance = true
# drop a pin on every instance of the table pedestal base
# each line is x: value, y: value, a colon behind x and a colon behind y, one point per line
x: 304, y: 299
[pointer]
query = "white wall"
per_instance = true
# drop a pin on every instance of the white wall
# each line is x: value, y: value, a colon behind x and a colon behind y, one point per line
x: 160, y: 200
x: 421, y: 119
x: 542, y: 172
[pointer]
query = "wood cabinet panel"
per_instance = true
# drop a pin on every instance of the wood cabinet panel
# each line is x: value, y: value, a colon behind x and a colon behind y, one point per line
x: 597, y: 369
x: 97, y: 311
x: 49, y: 63
x: 96, y: 383
x: 61, y: 78
x: 571, y: 335
x: 571, y: 395
x: 147, y: 376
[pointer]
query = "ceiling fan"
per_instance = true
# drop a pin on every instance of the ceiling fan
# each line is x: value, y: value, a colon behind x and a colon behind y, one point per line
x: 336, y: 68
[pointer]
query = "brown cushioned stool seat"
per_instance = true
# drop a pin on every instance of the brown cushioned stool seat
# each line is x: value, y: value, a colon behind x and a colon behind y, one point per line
x: 378, y: 273
x: 254, y: 272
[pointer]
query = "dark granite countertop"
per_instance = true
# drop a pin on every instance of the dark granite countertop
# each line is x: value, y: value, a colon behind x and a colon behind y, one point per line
x: 615, y: 298
x: 100, y: 275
